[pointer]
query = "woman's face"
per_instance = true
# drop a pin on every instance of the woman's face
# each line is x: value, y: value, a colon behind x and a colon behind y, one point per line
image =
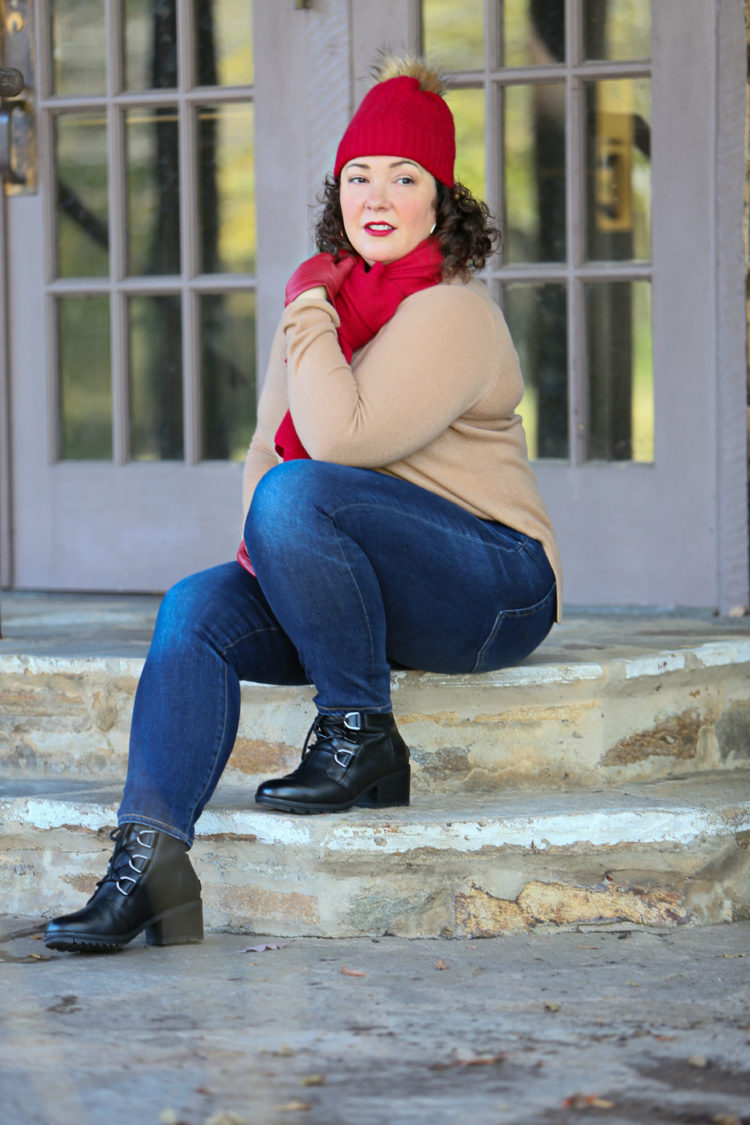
x: 388, y: 204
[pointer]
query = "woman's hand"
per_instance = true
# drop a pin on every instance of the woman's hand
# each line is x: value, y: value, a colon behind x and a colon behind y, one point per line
x: 319, y: 276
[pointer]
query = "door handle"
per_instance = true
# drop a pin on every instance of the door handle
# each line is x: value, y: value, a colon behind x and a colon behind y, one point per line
x: 11, y: 85
x: 11, y: 82
x: 18, y: 171
x: 8, y: 170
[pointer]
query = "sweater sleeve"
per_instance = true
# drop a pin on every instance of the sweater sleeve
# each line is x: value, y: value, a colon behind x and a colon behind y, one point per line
x: 427, y: 366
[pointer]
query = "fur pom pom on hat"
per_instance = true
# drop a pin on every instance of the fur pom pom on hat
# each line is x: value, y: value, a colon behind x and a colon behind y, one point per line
x: 404, y: 114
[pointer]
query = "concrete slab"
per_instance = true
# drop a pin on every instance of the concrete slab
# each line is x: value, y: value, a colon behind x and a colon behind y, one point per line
x: 613, y: 1025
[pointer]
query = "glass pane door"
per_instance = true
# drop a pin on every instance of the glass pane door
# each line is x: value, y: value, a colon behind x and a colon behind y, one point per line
x: 145, y: 232
x: 151, y: 127
x: 553, y: 109
x: 554, y: 105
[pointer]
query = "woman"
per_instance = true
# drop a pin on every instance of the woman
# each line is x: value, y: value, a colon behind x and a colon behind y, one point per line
x: 392, y: 519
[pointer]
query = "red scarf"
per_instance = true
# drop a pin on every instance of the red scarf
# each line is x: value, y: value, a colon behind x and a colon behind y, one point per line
x: 366, y: 301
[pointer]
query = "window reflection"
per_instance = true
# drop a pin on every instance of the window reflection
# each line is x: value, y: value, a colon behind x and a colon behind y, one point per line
x: 79, y: 46
x: 229, y: 380
x: 533, y: 32
x: 82, y: 186
x: 85, y: 384
x: 454, y: 33
x: 534, y: 164
x: 153, y: 189
x: 155, y: 378
x: 618, y: 152
x: 467, y: 107
x: 617, y: 29
x: 150, y: 32
x: 224, y: 42
x: 226, y: 188
x: 620, y: 371
x: 537, y: 318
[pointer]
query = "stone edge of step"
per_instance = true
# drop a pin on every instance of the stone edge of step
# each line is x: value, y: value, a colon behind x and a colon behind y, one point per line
x: 537, y: 671
x: 673, y: 813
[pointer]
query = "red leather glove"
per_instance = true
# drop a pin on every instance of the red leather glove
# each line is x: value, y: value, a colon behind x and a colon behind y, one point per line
x: 322, y: 269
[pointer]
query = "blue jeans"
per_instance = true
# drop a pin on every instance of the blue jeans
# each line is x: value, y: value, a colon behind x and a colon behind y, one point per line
x: 357, y: 572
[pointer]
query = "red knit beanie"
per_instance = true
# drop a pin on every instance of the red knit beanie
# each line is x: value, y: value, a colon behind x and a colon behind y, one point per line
x: 399, y: 117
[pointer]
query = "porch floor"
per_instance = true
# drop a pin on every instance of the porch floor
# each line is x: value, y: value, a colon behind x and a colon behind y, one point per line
x: 80, y: 625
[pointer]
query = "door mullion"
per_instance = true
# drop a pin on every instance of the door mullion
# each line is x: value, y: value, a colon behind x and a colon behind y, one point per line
x: 117, y: 194
x: 189, y: 263
x: 574, y: 164
x: 117, y: 271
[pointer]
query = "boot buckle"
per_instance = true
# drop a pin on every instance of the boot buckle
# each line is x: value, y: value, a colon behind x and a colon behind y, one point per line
x: 351, y: 756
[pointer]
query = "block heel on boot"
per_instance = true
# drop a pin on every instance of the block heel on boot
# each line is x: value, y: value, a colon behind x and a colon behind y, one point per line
x: 183, y: 924
x: 388, y: 792
x: 149, y: 885
x: 358, y: 758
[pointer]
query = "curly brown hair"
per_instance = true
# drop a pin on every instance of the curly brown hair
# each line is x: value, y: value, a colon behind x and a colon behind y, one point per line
x: 464, y: 227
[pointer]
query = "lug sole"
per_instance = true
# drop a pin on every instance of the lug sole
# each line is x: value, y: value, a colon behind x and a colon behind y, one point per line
x: 181, y: 925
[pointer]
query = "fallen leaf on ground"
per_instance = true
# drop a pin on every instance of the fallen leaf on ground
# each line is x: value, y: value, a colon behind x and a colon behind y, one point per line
x: 170, y: 1116
x: 732, y: 956
x: 440, y: 964
x: 480, y: 1060
x: 263, y: 948
x: 314, y: 1080
x: 587, y: 1101
x: 552, y: 1006
x: 484, y: 1060
x: 352, y: 972
x: 226, y: 1117
x: 664, y: 1038
x: 698, y: 1060
x: 294, y: 1107
x: 726, y: 1119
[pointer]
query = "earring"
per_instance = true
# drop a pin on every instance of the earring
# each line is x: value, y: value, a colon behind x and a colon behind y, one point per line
x: 432, y: 228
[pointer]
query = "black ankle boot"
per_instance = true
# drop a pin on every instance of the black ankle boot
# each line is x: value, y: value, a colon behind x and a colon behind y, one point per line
x: 150, y: 885
x: 357, y: 759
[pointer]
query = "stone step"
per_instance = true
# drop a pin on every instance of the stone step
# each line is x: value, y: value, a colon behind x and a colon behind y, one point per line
x: 659, y: 853
x: 580, y: 712
x: 604, y: 781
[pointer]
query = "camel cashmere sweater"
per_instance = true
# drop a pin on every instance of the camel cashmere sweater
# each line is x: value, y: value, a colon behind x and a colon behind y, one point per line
x: 431, y: 399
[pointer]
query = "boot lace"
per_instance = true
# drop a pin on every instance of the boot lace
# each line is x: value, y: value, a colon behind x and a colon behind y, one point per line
x: 328, y: 730
x: 123, y: 861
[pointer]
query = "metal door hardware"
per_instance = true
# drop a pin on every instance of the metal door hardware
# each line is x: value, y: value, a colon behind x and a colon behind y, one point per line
x: 17, y: 98
x: 11, y: 82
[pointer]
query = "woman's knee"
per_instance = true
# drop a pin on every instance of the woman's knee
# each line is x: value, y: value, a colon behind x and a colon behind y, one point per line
x: 193, y: 604
x: 287, y: 501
